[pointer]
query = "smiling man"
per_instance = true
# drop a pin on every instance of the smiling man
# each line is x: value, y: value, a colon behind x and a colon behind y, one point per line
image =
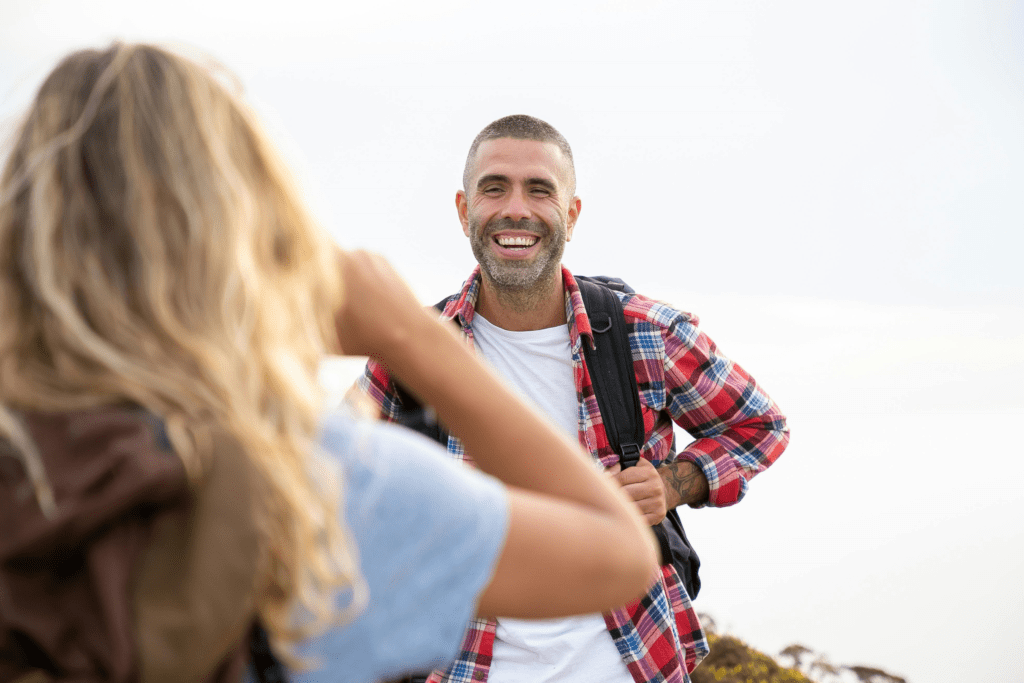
x: 523, y: 312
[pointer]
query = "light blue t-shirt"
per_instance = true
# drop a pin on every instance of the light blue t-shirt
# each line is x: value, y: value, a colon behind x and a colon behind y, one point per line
x: 428, y: 530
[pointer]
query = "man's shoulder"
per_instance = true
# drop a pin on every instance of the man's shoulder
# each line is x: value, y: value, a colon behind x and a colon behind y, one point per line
x: 639, y: 308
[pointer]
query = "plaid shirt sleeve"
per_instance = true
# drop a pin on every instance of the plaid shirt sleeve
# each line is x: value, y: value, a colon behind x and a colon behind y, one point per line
x: 377, y: 384
x: 738, y: 429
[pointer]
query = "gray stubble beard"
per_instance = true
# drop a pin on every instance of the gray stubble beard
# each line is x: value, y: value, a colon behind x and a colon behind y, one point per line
x: 519, y: 286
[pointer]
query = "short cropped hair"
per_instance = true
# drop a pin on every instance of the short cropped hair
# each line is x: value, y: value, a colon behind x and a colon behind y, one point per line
x: 520, y: 127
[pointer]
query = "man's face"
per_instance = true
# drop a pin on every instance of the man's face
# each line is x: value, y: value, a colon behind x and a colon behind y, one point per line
x: 517, y: 211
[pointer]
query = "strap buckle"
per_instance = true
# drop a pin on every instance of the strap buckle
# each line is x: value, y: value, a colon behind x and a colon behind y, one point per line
x: 630, y: 455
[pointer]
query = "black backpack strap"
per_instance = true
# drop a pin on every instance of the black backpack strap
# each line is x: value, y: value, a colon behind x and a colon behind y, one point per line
x: 611, y: 369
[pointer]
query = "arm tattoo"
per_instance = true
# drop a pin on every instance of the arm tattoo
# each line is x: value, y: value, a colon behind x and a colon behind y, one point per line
x: 684, y: 483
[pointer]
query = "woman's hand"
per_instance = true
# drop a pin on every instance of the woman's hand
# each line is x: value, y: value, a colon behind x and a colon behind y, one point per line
x: 380, y: 314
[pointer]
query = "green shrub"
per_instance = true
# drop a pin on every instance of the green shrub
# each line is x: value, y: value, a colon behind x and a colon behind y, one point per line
x: 733, y: 661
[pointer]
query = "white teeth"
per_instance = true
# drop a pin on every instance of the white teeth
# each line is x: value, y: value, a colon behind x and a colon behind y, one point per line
x: 516, y: 241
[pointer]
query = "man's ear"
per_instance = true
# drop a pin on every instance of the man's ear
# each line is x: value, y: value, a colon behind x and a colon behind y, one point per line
x: 462, y: 206
x: 574, y: 213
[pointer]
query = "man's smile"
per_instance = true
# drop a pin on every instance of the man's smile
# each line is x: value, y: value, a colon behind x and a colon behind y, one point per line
x: 515, y: 242
x: 516, y: 245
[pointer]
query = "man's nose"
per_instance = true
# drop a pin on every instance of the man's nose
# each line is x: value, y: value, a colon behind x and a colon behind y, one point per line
x: 517, y: 207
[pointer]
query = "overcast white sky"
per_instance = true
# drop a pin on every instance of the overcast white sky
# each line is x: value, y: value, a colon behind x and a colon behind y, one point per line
x: 835, y: 188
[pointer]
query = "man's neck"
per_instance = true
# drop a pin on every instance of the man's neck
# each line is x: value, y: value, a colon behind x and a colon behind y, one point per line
x: 522, y: 310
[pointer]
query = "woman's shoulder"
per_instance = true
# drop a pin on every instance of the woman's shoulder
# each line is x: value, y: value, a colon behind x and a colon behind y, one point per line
x: 428, y: 531
x: 372, y: 454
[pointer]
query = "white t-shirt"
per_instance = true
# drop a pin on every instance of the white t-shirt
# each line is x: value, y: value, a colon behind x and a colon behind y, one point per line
x: 538, y: 365
x: 428, y: 531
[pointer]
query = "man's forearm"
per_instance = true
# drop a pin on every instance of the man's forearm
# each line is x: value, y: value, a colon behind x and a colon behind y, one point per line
x: 685, y: 484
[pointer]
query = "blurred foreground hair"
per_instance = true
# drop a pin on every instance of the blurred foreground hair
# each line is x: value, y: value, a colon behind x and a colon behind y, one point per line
x: 153, y: 251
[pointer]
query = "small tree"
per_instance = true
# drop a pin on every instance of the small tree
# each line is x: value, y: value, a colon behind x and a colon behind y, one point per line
x: 796, y: 651
x: 821, y: 666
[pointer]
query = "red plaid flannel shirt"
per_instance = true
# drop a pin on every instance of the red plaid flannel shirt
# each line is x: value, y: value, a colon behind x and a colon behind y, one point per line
x: 682, y: 378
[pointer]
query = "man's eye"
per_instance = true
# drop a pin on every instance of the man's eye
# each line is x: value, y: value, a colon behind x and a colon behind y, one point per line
x: 540, y: 191
x: 492, y: 190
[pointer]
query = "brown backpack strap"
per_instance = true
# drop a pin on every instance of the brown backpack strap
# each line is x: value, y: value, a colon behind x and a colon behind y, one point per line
x: 194, y: 593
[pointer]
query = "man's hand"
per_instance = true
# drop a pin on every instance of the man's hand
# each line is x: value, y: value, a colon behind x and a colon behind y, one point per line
x: 644, y: 485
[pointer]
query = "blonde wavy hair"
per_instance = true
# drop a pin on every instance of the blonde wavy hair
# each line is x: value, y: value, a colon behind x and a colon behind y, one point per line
x: 154, y: 251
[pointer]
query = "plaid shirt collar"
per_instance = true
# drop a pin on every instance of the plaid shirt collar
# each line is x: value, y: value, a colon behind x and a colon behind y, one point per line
x: 463, y: 306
